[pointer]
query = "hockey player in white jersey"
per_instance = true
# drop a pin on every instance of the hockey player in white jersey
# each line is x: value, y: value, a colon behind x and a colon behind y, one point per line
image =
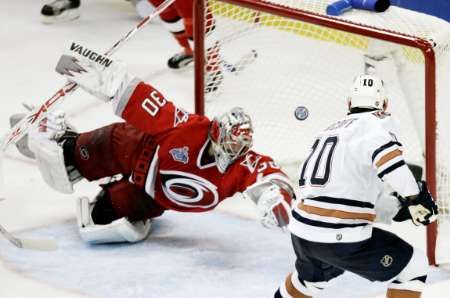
x: 341, y: 183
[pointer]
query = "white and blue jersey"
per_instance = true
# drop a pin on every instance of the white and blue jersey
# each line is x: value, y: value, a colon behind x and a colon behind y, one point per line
x: 343, y: 176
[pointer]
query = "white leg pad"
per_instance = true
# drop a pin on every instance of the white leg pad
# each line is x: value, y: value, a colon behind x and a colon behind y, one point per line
x: 50, y: 160
x: 120, y: 230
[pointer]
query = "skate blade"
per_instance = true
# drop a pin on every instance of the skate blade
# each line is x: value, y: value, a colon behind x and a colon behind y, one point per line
x: 184, y: 68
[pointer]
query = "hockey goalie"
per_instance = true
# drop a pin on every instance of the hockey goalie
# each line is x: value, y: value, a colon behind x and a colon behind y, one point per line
x: 165, y: 157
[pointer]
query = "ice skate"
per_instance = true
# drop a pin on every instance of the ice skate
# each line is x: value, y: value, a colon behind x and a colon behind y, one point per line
x: 60, y: 11
x: 180, y: 61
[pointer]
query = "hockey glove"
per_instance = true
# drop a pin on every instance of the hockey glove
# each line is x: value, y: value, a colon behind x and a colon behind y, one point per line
x: 422, y: 209
x: 274, y: 205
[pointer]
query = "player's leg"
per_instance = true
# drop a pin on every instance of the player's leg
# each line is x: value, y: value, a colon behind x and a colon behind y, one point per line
x: 106, y: 151
x: 310, y: 276
x: 60, y: 11
x: 121, y: 212
x: 175, y: 24
x: 383, y: 257
x: 64, y: 156
x: 411, y: 280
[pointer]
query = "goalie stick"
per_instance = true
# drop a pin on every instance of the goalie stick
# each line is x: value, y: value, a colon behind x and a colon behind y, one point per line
x: 20, y: 129
x: 34, y: 244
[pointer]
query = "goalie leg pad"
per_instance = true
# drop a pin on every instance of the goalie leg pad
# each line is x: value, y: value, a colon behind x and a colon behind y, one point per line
x: 119, y: 230
x: 50, y: 160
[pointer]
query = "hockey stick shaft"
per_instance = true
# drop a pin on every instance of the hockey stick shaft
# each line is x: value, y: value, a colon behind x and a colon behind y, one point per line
x: 20, y: 129
x: 16, y: 242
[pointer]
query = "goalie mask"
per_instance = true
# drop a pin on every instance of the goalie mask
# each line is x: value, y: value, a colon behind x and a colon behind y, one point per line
x: 367, y: 92
x: 231, y: 135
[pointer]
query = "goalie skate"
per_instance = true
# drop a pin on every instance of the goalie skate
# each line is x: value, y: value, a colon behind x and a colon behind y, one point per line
x: 60, y: 11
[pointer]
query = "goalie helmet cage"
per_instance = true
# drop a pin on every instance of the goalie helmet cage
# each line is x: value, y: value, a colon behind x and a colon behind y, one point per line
x: 332, y: 51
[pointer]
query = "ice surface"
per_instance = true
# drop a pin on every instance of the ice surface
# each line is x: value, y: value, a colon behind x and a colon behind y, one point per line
x: 186, y: 255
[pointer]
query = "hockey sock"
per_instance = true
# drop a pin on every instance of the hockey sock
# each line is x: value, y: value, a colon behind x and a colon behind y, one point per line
x: 183, y: 41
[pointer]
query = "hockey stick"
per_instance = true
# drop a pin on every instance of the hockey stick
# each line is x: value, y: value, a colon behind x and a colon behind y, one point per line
x: 34, y: 244
x: 241, y: 64
x: 21, y: 128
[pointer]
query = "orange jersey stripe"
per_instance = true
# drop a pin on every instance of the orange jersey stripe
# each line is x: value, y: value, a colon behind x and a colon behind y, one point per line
x: 336, y: 213
x: 388, y: 156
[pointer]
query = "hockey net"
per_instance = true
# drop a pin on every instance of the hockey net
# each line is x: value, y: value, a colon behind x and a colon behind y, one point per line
x: 275, y: 56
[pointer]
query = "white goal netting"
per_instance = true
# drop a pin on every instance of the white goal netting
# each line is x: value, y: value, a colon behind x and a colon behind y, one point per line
x: 271, y: 65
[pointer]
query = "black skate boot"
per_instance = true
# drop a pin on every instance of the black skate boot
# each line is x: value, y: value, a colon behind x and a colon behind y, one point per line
x: 60, y: 11
x: 180, y: 61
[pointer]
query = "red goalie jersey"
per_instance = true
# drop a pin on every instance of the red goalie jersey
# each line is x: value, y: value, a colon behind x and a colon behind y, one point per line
x: 176, y: 168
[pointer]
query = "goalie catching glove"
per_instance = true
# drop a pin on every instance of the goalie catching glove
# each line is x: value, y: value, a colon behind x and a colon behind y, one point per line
x: 275, y: 206
x: 273, y: 203
x: 421, y: 209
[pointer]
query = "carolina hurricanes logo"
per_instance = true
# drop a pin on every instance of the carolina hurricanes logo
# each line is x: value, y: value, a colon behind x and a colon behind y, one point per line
x: 188, y: 190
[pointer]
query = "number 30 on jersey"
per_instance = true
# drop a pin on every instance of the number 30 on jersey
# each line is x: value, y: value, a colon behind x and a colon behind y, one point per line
x: 154, y: 103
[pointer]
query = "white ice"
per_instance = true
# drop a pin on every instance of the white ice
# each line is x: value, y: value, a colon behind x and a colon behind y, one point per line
x: 217, y: 254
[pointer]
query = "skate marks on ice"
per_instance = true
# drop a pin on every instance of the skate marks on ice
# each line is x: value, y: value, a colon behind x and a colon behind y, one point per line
x: 186, y: 255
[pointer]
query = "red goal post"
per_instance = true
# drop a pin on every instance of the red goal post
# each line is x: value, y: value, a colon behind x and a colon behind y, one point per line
x: 203, y: 9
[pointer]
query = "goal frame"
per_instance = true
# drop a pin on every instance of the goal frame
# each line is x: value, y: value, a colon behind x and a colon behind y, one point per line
x: 338, y: 24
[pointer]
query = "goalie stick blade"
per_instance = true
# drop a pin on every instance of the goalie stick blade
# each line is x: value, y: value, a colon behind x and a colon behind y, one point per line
x: 33, y: 244
x: 39, y: 244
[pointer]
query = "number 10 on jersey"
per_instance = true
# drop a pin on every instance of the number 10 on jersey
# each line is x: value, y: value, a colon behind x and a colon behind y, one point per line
x: 317, y: 167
